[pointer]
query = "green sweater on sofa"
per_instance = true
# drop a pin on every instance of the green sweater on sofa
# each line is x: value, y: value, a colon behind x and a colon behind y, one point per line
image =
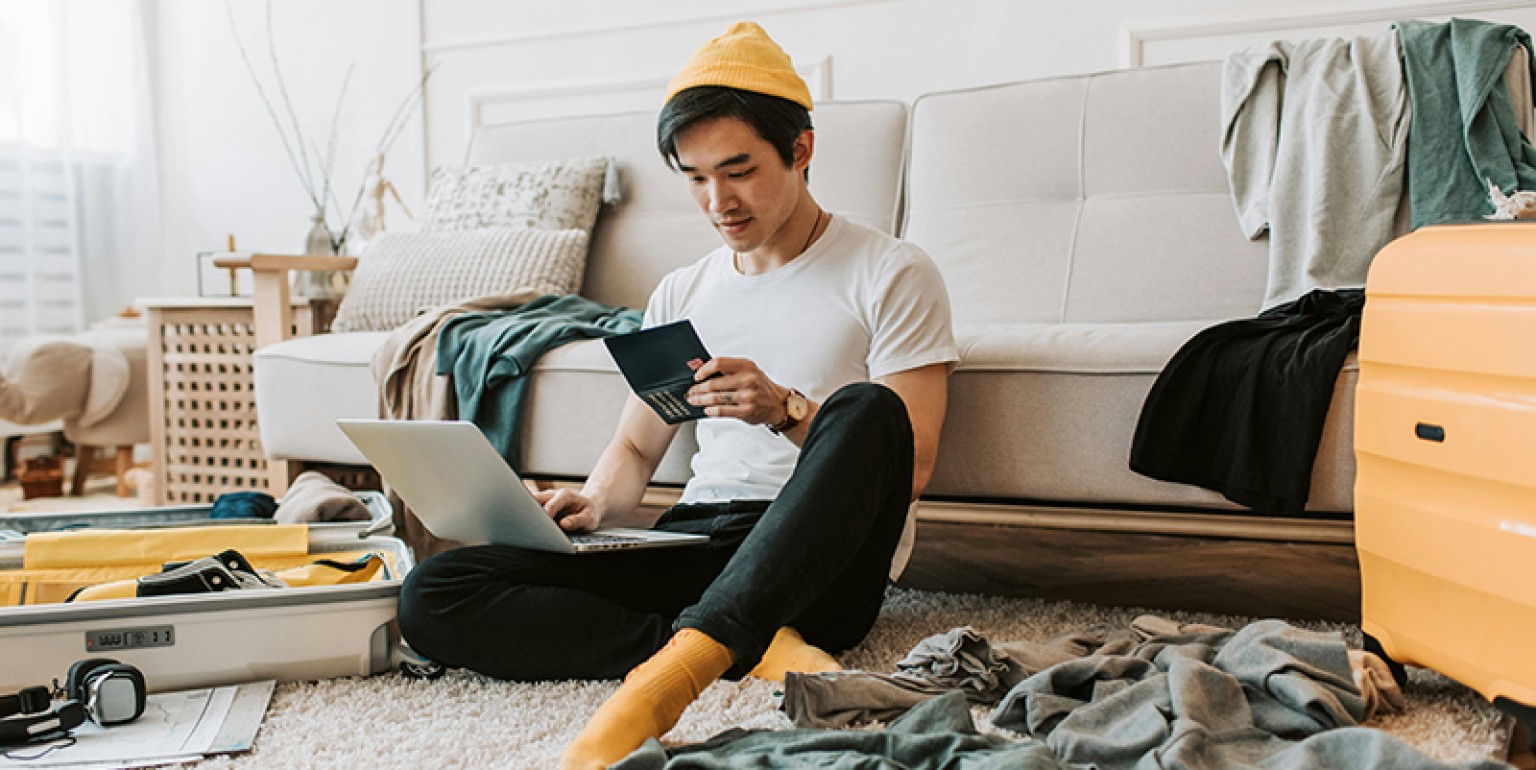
x: 490, y: 356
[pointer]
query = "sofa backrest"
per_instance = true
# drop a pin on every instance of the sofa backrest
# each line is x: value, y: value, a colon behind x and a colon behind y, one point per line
x: 1095, y: 198
x: 656, y: 228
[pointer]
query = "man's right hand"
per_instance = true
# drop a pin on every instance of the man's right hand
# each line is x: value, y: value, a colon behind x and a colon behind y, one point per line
x: 573, y: 511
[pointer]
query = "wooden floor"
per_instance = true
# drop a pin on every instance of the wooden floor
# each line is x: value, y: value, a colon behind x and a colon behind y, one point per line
x: 1319, y: 580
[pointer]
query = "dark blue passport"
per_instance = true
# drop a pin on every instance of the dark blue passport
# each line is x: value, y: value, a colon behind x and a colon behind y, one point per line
x: 655, y: 362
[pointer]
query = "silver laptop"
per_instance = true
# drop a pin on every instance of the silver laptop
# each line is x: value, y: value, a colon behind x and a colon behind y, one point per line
x: 462, y: 489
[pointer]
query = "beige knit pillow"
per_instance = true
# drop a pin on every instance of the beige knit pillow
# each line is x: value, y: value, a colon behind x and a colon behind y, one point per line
x: 552, y: 195
x: 402, y: 274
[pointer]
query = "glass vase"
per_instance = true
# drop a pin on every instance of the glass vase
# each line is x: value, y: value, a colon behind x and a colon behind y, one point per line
x: 320, y: 284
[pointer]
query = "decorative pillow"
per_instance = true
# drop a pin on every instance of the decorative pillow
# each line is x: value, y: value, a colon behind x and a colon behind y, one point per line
x: 549, y: 195
x: 402, y: 274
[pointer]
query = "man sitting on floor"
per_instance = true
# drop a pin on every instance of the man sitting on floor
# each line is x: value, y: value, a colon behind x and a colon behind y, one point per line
x: 802, y: 481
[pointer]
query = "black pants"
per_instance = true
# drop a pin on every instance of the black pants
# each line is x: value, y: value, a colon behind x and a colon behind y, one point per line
x: 815, y: 558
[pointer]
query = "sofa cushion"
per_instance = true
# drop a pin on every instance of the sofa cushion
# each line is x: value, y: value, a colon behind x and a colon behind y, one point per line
x: 402, y: 274
x: 1097, y: 198
x: 304, y: 385
x: 574, y: 404
x: 547, y: 194
x: 1119, y: 348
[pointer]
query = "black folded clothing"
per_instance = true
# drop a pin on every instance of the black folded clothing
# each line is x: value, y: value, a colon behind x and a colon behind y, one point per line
x: 225, y: 571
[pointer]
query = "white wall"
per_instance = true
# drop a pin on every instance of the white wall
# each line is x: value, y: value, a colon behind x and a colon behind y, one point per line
x: 223, y: 167
x: 497, y: 61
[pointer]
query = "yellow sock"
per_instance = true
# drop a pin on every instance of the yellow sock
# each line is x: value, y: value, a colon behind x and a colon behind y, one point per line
x: 789, y: 652
x: 650, y: 701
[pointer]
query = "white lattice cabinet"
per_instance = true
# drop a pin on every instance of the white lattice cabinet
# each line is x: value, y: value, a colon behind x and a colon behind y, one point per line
x: 202, y: 398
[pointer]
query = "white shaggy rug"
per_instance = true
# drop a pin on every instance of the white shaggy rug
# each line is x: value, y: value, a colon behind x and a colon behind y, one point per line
x: 468, y: 721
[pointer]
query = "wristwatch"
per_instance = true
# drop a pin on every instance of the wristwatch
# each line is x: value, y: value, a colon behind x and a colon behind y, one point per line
x: 796, y: 407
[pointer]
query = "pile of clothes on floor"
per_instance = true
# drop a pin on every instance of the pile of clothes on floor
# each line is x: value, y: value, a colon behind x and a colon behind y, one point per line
x: 1156, y: 695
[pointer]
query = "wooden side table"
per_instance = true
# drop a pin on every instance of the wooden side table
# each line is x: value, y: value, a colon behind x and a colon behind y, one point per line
x: 203, y: 429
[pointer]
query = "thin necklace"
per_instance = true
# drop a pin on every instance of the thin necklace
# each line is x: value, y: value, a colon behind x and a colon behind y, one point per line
x: 814, y: 227
x: 811, y: 236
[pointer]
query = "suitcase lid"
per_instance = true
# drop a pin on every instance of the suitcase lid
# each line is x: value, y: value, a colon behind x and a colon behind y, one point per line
x: 16, y: 526
x: 1499, y: 257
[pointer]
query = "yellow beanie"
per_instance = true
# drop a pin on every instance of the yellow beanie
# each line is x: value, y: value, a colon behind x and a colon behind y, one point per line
x: 747, y: 59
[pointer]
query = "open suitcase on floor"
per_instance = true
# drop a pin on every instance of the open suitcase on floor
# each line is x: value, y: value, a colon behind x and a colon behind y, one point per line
x: 1445, y: 442
x: 208, y: 639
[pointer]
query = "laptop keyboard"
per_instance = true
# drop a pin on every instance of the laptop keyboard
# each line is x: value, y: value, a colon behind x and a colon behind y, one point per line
x: 595, y: 539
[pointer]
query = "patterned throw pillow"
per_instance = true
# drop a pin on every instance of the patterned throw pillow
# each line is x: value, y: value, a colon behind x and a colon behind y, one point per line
x: 550, y: 195
x: 402, y: 274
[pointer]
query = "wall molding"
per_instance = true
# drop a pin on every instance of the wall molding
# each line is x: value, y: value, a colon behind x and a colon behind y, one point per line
x: 1135, y: 36
x: 817, y: 75
x: 760, y: 11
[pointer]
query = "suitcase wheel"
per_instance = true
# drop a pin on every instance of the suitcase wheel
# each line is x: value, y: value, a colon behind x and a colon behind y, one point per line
x: 1399, y: 674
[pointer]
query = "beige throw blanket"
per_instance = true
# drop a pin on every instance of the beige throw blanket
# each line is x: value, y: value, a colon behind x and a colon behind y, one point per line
x: 405, y: 367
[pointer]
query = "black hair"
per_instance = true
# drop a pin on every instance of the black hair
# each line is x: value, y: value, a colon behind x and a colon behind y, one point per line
x: 778, y: 121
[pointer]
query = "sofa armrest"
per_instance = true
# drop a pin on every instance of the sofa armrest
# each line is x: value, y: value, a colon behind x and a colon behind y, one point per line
x: 272, y: 306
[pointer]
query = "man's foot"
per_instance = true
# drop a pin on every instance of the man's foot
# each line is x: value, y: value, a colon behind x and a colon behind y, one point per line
x: 413, y: 665
x: 650, y: 701
x: 789, y: 652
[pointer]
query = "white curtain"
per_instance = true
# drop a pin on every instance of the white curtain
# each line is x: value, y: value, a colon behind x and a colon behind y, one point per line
x: 79, y: 191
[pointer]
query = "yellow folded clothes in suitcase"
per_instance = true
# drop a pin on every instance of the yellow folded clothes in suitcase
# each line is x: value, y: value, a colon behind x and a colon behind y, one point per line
x: 56, y: 565
x: 1445, y: 446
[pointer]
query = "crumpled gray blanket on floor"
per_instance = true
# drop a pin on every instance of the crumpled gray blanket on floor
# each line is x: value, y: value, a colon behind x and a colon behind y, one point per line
x: 1158, y: 695
x: 962, y: 659
x: 938, y: 733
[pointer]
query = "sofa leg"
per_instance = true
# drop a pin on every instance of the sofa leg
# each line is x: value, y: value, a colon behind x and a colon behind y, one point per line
x: 280, y: 474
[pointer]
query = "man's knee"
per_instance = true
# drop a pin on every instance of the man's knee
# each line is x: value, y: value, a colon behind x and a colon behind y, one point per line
x: 871, y: 401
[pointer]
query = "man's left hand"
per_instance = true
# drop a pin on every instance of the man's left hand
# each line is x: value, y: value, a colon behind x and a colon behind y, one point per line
x: 735, y: 387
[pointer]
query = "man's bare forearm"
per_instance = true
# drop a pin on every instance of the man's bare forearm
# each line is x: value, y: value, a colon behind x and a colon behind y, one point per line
x: 618, y: 483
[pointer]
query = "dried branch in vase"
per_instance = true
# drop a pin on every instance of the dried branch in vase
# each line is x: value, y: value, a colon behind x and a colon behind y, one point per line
x: 315, y: 173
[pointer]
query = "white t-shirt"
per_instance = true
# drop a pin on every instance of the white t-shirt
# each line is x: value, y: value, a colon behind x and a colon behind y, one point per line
x: 857, y: 306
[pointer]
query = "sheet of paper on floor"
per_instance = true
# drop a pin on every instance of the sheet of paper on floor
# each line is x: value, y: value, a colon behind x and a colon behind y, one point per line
x: 176, y: 726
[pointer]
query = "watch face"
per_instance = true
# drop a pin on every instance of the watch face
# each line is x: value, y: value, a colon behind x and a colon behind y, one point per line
x: 795, y: 405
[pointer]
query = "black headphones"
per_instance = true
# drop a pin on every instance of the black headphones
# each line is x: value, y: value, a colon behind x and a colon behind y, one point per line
x: 30, y: 715
x: 104, y: 690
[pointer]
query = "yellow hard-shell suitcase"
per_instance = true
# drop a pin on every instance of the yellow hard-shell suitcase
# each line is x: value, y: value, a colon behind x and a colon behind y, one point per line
x: 1445, y: 446
x: 197, y: 640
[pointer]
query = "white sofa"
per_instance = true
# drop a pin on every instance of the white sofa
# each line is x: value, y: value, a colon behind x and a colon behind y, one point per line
x: 577, y: 392
x: 1085, y: 231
